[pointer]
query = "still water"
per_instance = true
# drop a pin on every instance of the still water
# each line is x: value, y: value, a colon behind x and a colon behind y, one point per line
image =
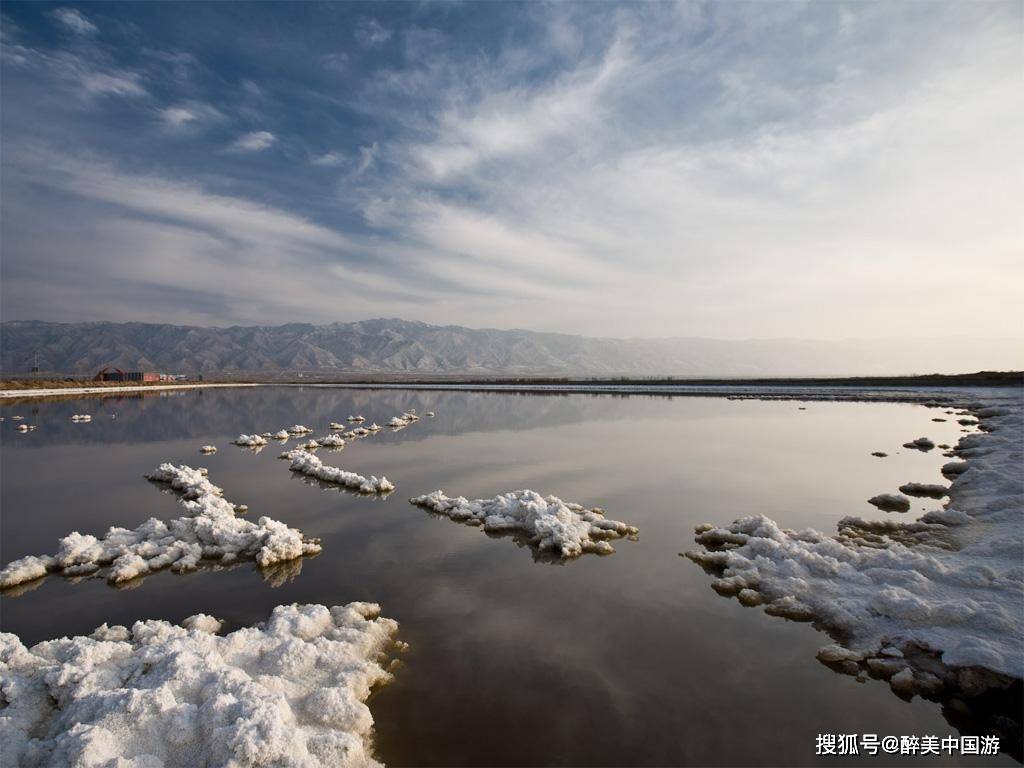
x: 514, y: 660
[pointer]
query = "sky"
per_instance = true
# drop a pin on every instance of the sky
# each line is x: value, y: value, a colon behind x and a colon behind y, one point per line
x: 729, y: 170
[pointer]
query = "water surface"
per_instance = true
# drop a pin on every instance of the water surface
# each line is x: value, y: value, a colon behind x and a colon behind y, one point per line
x: 514, y: 660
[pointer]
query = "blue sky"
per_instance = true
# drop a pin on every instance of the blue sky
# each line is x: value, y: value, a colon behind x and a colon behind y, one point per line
x: 731, y: 170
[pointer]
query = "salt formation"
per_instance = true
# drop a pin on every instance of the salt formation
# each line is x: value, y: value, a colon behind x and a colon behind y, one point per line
x: 880, y: 454
x: 357, y: 418
x: 208, y: 449
x: 924, y: 489
x: 358, y: 432
x: 81, y: 417
x: 954, y: 468
x: 549, y: 523
x: 891, y: 502
x: 336, y: 425
x: 281, y: 434
x: 311, y: 466
x: 430, y: 414
x: 921, y: 444
x: 397, y: 423
x: 375, y: 427
x: 298, y: 429
x: 290, y: 692
x: 312, y: 445
x: 332, y: 441
x: 250, y: 441
x: 209, y: 531
x: 950, y: 584
x: 23, y: 427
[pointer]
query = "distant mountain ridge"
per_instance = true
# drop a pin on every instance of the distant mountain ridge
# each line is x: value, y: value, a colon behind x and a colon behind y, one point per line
x: 402, y: 346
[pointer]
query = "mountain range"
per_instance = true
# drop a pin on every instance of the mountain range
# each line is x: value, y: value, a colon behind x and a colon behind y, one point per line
x: 392, y: 346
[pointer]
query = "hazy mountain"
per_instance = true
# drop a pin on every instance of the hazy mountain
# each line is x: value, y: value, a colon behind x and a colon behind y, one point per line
x: 393, y: 346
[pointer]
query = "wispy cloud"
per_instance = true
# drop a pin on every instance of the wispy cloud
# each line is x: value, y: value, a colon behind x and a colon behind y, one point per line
x: 370, y: 32
x: 188, y: 115
x: 255, y: 141
x: 327, y: 159
x: 73, y: 20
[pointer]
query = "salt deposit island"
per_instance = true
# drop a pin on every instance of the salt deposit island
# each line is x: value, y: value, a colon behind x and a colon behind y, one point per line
x: 933, y: 606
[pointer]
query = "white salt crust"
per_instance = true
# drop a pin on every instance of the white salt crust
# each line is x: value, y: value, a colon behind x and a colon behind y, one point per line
x: 310, y: 465
x: 290, y: 692
x: 550, y: 524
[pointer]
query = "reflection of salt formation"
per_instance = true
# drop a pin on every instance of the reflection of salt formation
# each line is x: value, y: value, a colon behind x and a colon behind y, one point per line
x: 308, y: 464
x: 210, y: 531
x: 284, y: 572
x: 932, y: 606
x: 549, y: 523
x: 291, y: 691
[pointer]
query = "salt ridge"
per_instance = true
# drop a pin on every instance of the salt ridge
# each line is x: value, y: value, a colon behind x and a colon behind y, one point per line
x: 210, y: 530
x: 310, y: 465
x: 550, y: 524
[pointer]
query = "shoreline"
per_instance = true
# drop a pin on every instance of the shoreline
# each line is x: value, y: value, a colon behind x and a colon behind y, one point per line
x: 56, y: 391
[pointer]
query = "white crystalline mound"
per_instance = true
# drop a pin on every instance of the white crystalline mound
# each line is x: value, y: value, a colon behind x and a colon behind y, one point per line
x: 308, y: 464
x: 291, y: 692
x: 397, y: 422
x: 549, y: 523
x: 208, y: 449
x: 210, y: 530
x: 281, y: 434
x: 332, y: 441
x: 250, y: 441
x: 963, y: 601
x: 298, y: 429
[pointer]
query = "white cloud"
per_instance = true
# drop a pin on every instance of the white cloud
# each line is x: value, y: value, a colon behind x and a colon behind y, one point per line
x: 75, y: 21
x: 370, y: 32
x: 328, y: 159
x: 188, y: 115
x: 255, y: 141
x: 367, y: 156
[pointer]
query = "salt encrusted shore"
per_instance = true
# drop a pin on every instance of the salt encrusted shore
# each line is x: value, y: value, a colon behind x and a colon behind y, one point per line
x: 290, y: 692
x: 308, y: 464
x: 549, y: 524
x: 19, y: 393
x: 933, y: 605
x: 210, y: 531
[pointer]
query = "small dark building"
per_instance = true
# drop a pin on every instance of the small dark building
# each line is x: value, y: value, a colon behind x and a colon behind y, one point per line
x: 110, y: 373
